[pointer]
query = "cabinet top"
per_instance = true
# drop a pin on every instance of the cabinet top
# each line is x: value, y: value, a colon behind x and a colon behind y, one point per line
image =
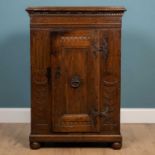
x: 77, y: 10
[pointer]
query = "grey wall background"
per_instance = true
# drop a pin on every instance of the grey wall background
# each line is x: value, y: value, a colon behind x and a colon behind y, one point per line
x: 138, y: 50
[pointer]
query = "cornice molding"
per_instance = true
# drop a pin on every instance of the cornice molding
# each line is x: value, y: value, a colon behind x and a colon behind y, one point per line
x: 76, y: 10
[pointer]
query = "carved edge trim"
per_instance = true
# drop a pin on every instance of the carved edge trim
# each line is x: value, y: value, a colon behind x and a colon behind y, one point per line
x: 76, y: 13
x: 76, y: 10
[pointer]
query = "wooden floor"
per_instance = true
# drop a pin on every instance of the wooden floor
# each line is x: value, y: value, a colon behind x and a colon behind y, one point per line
x: 138, y: 139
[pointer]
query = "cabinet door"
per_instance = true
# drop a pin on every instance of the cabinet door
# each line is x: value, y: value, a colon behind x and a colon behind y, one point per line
x: 75, y: 81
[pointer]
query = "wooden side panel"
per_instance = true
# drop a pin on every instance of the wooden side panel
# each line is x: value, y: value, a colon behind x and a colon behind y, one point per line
x: 110, y: 81
x: 40, y: 87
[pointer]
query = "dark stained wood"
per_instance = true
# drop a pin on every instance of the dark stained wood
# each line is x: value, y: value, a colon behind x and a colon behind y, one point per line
x: 74, y: 59
x: 40, y: 92
x: 75, y: 74
x: 76, y: 138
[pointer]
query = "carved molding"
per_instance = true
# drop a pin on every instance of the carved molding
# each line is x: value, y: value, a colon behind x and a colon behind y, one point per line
x: 75, y: 123
x: 76, y: 10
x: 78, y: 13
x: 110, y: 87
x: 39, y: 76
x: 40, y: 93
x: 75, y: 38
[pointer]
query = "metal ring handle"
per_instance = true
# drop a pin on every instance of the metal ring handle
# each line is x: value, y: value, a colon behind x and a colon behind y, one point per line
x: 75, y: 82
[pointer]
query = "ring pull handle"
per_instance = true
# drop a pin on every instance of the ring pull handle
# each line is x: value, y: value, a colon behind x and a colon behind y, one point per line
x: 75, y: 81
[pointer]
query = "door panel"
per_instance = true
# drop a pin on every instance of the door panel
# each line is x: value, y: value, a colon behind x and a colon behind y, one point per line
x: 75, y: 81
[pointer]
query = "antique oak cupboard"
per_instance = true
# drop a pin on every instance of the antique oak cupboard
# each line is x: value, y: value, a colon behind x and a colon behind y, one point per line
x: 75, y: 74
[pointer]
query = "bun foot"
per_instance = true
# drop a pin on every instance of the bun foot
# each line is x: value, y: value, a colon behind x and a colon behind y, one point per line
x: 34, y: 145
x: 116, y: 145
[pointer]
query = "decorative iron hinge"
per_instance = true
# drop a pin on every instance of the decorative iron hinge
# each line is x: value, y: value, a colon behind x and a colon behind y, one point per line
x: 104, y: 48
